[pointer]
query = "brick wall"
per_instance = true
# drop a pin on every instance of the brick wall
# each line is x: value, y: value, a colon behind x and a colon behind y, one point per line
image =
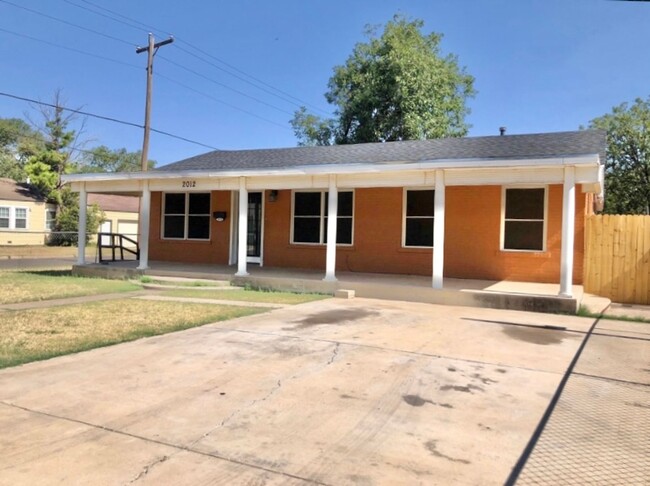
x: 472, y: 231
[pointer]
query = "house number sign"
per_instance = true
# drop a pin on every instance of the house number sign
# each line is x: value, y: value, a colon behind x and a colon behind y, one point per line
x: 188, y: 184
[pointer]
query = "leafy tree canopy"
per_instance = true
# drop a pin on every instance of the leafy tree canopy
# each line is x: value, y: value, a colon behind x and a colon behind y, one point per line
x: 396, y: 86
x: 104, y: 159
x: 627, y: 169
x: 18, y: 142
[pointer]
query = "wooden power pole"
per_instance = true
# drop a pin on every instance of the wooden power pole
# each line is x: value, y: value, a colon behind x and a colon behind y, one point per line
x: 151, y: 50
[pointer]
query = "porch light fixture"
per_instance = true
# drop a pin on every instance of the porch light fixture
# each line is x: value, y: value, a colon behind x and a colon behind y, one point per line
x: 220, y: 215
x: 273, y: 195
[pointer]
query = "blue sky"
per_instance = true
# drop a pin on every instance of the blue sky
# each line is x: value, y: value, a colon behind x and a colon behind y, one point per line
x: 540, y: 65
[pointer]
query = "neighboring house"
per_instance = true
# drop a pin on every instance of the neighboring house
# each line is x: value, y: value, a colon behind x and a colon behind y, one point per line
x: 120, y: 213
x: 27, y: 219
x: 25, y: 216
x: 505, y: 207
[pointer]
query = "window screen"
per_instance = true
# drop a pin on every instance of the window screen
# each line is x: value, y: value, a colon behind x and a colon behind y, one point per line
x: 418, y: 225
x: 524, y: 219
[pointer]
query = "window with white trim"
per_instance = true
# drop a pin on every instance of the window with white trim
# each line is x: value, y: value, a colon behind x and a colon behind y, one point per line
x: 4, y: 217
x: 50, y: 219
x: 418, y: 218
x: 186, y: 216
x: 13, y: 217
x: 524, y: 211
x: 309, y: 218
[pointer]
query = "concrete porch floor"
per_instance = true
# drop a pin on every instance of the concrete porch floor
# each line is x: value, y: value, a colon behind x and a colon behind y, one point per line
x: 529, y: 296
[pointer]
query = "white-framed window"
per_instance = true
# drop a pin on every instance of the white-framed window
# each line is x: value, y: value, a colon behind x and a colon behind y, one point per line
x: 418, y: 216
x: 13, y: 217
x: 309, y: 217
x: 186, y: 216
x: 523, y: 218
x: 5, y: 216
x: 50, y: 219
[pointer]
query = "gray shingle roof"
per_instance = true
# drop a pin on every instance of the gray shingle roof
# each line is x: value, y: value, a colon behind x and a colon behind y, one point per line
x: 11, y: 190
x: 532, y: 146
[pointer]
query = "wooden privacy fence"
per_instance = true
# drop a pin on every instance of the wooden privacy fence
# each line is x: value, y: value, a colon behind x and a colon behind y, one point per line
x: 617, y: 258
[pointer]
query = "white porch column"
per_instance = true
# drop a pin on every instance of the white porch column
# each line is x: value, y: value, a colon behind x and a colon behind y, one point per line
x: 568, y: 230
x: 81, y: 231
x: 332, y: 218
x: 145, y: 213
x: 242, y: 238
x: 439, y: 231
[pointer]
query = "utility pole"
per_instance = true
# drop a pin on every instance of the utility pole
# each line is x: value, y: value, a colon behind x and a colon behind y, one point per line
x: 151, y: 50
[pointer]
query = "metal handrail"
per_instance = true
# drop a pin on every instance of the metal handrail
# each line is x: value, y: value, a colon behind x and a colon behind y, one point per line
x: 116, y: 242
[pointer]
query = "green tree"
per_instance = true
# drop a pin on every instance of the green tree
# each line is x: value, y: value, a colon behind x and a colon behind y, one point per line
x: 56, y: 155
x: 104, y: 159
x: 627, y: 168
x: 67, y: 220
x: 396, y: 86
x: 18, y: 142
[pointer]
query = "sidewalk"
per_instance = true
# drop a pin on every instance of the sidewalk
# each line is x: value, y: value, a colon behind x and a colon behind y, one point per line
x: 599, y: 432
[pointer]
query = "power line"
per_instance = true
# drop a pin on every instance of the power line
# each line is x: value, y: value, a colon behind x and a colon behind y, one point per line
x: 241, y: 93
x: 130, y: 22
x: 72, y: 49
x: 71, y: 24
x: 106, y: 118
x: 135, y: 66
x: 202, y: 93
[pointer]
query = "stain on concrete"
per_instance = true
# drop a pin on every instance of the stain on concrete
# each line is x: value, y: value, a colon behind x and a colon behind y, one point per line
x: 335, y: 316
x: 418, y: 401
x: 348, y: 397
x: 539, y: 336
x: 483, y: 379
x: 452, y: 369
x: 484, y: 427
x: 460, y: 388
x: 432, y: 447
x: 415, y: 400
x: 501, y: 370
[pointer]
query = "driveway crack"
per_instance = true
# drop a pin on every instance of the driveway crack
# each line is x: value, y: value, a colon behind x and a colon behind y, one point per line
x: 150, y: 466
x: 236, y: 412
x: 335, y: 353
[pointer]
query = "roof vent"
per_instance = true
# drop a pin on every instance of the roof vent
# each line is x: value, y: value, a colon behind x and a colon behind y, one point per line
x: 502, y: 131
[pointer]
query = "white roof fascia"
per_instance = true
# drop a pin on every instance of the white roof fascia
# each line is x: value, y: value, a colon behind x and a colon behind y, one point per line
x: 588, y: 159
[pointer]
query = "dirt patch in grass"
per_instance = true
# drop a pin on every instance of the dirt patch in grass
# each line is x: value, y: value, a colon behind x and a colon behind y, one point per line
x: 33, y: 285
x: 37, y: 334
x: 245, y: 295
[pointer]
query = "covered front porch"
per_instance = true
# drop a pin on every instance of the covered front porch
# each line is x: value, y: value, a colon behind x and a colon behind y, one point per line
x: 540, y: 297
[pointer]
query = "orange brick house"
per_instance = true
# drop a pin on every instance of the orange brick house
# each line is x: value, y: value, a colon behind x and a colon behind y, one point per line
x: 508, y: 207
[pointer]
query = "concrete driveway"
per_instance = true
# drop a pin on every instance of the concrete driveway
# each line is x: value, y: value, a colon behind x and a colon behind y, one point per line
x: 331, y: 392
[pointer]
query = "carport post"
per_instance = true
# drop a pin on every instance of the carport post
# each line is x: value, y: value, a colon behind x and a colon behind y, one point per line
x: 81, y: 230
x: 332, y: 218
x: 568, y: 230
x: 243, y: 229
x: 143, y: 241
x: 439, y: 230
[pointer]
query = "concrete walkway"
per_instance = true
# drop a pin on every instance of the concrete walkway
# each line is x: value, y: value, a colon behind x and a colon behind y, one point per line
x: 43, y: 304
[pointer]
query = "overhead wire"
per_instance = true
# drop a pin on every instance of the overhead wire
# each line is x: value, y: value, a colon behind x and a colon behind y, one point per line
x: 71, y: 24
x: 104, y: 117
x: 133, y: 22
x: 135, y: 66
x: 72, y: 49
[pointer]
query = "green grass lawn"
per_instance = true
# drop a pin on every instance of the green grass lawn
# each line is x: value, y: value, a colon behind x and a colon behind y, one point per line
x: 245, y: 295
x: 36, y: 334
x: 33, y: 285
